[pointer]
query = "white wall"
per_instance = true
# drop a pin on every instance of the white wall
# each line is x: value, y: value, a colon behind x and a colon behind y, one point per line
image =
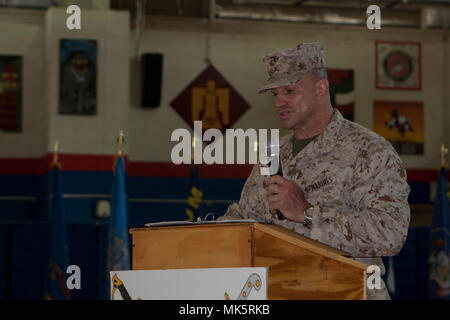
x: 95, y: 134
x: 36, y: 34
x: 236, y: 49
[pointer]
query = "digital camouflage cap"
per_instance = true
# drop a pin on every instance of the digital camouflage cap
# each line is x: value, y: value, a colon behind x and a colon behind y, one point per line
x: 289, y: 66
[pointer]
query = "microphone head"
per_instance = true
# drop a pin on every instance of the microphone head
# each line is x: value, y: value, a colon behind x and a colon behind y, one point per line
x: 272, y: 152
x: 272, y: 148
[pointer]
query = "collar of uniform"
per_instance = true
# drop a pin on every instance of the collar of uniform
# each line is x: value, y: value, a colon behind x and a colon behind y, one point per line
x: 286, y: 149
x: 326, y: 141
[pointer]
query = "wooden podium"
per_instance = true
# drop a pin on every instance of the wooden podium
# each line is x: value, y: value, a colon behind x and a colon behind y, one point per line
x: 299, y: 268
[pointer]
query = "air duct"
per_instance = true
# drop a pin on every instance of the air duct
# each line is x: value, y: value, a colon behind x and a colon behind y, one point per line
x: 29, y: 3
x: 411, y: 18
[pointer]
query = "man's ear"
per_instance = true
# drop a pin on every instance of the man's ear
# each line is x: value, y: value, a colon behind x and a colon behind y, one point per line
x: 322, y: 87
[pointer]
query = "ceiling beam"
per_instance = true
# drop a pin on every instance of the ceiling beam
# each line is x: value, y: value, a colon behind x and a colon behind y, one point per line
x: 299, y: 2
x: 392, y: 4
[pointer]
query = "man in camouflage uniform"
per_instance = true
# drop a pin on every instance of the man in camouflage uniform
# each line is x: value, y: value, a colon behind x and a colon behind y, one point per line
x: 342, y: 184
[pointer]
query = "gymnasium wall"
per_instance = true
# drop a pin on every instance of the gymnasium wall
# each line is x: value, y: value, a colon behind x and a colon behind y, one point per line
x: 157, y: 189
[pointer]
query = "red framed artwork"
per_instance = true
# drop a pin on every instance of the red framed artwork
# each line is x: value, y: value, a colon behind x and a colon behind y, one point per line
x: 398, y: 65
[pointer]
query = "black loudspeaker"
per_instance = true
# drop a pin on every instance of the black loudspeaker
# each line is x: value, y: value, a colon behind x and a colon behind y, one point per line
x: 151, y: 78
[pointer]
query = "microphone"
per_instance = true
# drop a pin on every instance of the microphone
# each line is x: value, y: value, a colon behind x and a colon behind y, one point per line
x: 273, y: 153
x: 280, y: 173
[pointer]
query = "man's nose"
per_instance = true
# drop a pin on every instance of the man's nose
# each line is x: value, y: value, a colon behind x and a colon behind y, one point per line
x: 279, y: 101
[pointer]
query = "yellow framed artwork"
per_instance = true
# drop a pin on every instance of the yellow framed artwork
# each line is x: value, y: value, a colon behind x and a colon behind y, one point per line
x: 401, y: 123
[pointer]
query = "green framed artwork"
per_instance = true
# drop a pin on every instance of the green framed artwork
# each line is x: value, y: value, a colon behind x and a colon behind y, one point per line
x: 10, y: 93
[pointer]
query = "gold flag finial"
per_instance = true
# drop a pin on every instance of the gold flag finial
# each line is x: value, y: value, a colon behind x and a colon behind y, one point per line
x: 121, y: 142
x: 444, y: 152
x: 55, y: 153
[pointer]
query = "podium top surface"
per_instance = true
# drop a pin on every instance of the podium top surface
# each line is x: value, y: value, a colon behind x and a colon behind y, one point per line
x: 273, y: 230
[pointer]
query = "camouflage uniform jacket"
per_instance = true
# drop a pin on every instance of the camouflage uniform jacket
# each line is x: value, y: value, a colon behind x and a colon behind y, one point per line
x: 357, y: 184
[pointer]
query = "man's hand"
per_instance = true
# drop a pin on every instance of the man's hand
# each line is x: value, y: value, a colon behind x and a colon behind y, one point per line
x: 286, y: 196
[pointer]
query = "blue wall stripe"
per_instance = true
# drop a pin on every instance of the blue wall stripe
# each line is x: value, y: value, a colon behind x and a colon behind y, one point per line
x: 82, y: 210
x: 420, y: 192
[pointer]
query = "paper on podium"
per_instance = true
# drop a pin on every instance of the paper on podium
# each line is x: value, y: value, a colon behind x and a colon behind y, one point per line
x: 178, y: 223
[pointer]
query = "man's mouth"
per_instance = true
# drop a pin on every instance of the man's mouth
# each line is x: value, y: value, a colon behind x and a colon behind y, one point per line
x: 284, y: 114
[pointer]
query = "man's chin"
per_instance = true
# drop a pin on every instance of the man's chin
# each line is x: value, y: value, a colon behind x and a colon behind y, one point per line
x: 287, y: 124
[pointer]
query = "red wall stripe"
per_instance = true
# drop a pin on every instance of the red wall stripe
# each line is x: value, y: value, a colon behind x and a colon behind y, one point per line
x: 167, y: 169
x: 424, y: 175
x: 20, y: 166
x: 80, y: 162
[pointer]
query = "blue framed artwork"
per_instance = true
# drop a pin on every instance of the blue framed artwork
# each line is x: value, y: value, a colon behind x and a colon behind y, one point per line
x: 78, y: 77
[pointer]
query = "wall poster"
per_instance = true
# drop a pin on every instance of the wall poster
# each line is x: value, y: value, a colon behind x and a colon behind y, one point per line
x: 10, y: 93
x: 402, y: 123
x: 78, y: 74
x: 398, y: 65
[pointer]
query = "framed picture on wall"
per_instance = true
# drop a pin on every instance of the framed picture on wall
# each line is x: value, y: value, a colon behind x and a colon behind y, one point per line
x: 342, y: 92
x: 10, y: 93
x: 401, y: 123
x: 398, y: 65
x: 210, y: 98
x: 78, y: 77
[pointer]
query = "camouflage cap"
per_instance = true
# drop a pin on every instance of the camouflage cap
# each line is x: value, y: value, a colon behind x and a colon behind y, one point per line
x: 289, y: 66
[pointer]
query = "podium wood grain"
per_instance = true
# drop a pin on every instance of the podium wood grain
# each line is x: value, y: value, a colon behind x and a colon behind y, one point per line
x: 299, y: 268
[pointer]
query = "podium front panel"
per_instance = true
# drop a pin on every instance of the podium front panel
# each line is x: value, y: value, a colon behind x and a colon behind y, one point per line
x: 208, y: 246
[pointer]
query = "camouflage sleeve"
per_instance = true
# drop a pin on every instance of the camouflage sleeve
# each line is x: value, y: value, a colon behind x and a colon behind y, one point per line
x: 252, y: 202
x: 378, y: 219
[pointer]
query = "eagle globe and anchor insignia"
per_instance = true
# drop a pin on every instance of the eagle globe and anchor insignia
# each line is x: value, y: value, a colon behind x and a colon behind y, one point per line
x: 398, y: 65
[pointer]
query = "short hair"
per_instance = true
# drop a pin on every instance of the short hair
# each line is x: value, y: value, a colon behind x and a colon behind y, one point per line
x: 319, y: 74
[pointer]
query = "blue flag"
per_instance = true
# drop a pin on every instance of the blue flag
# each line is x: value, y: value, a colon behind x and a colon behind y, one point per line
x: 439, y: 247
x: 118, y: 255
x: 194, y: 207
x: 56, y: 287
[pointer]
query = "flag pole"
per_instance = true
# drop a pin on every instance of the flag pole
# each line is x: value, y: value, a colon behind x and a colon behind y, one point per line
x: 194, y: 141
x: 120, y: 143
x: 444, y: 152
x: 56, y: 286
x: 439, y: 237
x: 117, y: 254
x: 55, y: 153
